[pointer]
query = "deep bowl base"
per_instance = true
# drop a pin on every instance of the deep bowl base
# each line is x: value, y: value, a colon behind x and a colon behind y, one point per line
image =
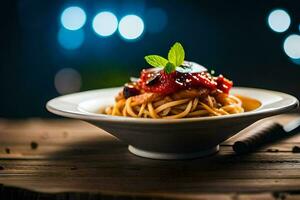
x: 172, y: 156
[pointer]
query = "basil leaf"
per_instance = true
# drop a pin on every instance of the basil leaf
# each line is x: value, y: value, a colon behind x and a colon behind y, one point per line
x: 156, y: 61
x: 176, y: 54
x: 169, y: 68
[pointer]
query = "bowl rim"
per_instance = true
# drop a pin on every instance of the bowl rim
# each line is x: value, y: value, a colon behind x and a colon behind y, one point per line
x: 70, y: 110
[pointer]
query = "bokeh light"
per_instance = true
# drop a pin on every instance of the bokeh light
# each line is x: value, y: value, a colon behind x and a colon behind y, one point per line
x: 70, y: 39
x: 131, y: 27
x: 279, y: 20
x: 296, y: 61
x: 67, y: 80
x: 105, y: 23
x: 291, y: 46
x: 73, y: 18
x: 156, y: 20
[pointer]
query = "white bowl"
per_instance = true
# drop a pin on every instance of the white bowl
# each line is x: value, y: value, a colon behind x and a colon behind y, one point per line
x: 164, y: 138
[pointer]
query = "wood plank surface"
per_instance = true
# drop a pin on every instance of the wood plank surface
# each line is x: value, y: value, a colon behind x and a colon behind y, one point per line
x: 68, y: 157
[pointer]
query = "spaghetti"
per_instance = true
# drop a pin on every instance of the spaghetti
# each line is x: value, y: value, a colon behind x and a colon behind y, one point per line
x: 175, y: 89
x: 168, y: 108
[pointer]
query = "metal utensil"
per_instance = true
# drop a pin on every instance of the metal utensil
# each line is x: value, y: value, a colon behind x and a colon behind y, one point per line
x: 266, y: 133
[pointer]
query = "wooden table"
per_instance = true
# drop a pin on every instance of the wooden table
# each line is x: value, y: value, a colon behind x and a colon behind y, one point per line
x: 66, y: 159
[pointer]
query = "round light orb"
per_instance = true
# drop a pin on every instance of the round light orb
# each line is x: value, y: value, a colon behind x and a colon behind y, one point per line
x: 105, y: 24
x: 131, y: 27
x: 291, y: 46
x: 70, y: 39
x: 279, y: 20
x: 67, y: 80
x: 73, y: 18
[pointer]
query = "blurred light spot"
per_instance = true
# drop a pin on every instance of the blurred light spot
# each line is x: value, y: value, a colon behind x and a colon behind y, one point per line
x: 156, y: 20
x: 70, y: 39
x: 291, y: 46
x: 105, y: 23
x: 67, y: 80
x: 73, y: 18
x: 296, y: 61
x: 131, y: 27
x: 279, y: 20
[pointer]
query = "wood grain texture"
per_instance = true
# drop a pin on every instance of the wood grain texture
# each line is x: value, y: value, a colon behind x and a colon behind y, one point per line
x: 75, y: 158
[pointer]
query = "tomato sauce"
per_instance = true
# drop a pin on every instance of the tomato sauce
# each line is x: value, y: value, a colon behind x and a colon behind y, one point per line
x: 163, y: 83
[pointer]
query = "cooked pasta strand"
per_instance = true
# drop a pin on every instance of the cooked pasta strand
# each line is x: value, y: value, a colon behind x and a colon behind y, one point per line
x: 168, y: 108
x: 183, y: 114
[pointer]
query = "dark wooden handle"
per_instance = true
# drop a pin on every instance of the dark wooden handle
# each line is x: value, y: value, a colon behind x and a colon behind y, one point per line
x: 267, y: 132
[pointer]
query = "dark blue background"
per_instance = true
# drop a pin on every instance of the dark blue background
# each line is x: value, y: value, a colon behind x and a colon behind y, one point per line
x: 231, y: 37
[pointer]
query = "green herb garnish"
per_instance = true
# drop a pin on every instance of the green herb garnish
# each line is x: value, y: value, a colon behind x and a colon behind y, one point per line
x: 170, y: 67
x: 175, y: 59
x: 156, y: 61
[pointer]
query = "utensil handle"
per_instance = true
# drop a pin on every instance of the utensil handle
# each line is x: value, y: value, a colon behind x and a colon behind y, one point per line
x: 263, y: 134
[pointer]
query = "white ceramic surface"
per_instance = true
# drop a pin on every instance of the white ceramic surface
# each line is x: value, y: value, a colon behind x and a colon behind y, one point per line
x: 164, y: 138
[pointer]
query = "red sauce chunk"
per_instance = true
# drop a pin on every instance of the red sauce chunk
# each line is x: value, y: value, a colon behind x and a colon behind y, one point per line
x: 163, y: 83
